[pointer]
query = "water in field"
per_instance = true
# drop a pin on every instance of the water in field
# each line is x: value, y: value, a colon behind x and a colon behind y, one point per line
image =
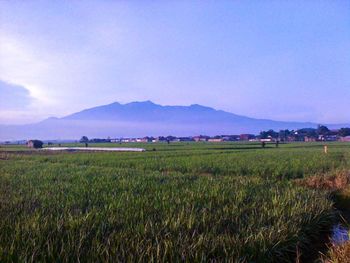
x: 340, y: 235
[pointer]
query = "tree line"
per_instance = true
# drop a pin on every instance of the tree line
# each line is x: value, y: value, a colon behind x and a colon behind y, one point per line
x: 320, y: 131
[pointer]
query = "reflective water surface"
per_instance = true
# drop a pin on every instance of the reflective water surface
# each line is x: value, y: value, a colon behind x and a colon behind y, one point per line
x: 340, y: 234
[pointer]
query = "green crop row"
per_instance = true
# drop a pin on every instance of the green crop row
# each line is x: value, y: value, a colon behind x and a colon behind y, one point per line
x: 190, y: 202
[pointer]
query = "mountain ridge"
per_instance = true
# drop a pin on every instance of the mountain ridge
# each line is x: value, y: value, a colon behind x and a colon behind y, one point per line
x: 146, y: 118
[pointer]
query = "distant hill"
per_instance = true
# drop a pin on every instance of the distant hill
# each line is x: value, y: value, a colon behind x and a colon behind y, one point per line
x: 138, y: 119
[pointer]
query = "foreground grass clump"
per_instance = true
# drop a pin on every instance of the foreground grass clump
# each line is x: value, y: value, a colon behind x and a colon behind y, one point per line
x: 338, y: 254
x: 191, y: 204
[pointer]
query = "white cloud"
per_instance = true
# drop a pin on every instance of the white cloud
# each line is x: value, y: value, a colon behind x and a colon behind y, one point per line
x: 20, y: 65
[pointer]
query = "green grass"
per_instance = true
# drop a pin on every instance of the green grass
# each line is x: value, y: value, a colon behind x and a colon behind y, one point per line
x: 182, y: 202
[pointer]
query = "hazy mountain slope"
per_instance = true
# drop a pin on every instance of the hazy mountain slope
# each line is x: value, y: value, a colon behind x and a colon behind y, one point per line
x: 148, y: 111
x: 141, y: 119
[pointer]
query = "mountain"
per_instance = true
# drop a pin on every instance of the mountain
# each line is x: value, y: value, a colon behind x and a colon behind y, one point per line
x: 148, y: 111
x: 146, y: 118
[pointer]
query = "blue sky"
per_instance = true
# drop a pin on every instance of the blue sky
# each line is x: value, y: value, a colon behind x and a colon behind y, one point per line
x: 283, y: 60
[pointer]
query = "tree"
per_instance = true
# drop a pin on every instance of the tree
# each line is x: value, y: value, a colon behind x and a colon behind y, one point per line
x: 84, y: 139
x: 322, y: 130
x: 310, y: 132
x: 269, y: 134
x: 344, y: 132
x: 283, y: 134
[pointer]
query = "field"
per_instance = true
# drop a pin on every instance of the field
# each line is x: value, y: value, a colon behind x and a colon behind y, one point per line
x: 178, y: 202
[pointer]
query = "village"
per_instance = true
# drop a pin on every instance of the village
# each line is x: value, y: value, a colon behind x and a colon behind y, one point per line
x: 322, y: 133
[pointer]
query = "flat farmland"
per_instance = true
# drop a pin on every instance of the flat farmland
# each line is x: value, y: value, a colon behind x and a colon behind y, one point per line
x: 188, y: 202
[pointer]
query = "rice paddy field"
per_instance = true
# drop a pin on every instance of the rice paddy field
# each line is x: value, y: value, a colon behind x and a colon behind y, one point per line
x: 188, y: 202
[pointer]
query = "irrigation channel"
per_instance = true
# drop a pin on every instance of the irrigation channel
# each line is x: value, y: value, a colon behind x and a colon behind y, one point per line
x: 340, y: 234
x: 340, y: 231
x: 336, y: 247
x: 106, y: 149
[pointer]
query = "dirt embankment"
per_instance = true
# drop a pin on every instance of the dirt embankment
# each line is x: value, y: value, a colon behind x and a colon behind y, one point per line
x: 335, y: 182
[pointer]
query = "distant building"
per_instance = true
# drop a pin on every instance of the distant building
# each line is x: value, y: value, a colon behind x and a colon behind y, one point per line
x: 246, y: 137
x: 186, y: 139
x: 267, y: 140
x: 331, y: 138
x: 309, y: 139
x: 230, y: 137
x: 144, y: 139
x: 345, y: 139
x: 35, y: 144
x: 201, y: 138
x: 328, y: 138
x: 215, y: 140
